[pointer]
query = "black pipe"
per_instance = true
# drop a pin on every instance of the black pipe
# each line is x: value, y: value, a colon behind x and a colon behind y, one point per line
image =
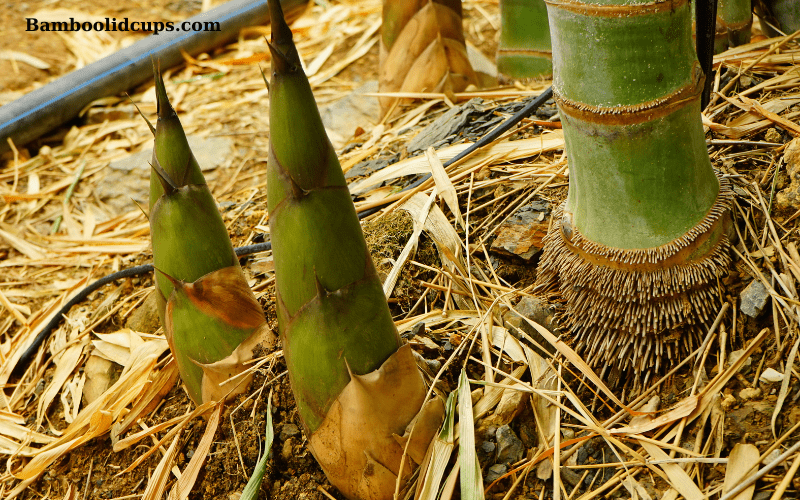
x: 48, y: 107
x: 705, y: 31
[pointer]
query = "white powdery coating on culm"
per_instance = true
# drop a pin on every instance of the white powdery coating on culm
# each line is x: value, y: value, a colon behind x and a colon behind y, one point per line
x: 631, y: 319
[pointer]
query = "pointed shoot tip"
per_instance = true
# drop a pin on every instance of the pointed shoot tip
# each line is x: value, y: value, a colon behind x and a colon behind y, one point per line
x: 163, y: 105
x: 178, y: 284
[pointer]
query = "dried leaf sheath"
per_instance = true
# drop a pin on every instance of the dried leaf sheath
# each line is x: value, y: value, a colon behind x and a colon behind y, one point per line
x: 339, y: 339
x: 423, y: 48
x: 211, y: 318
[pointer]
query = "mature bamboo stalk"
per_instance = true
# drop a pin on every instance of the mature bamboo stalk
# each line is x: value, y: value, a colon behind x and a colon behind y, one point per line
x: 734, y: 21
x: 524, y: 48
x: 640, y: 242
x: 355, y: 384
x: 211, y: 318
x: 781, y: 14
x: 423, y: 48
x: 733, y: 24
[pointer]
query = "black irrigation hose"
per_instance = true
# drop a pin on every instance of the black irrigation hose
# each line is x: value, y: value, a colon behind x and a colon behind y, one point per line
x: 706, y: 27
x: 520, y: 115
x: 30, y: 352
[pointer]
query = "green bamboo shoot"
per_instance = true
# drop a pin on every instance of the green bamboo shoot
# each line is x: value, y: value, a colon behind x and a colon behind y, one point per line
x: 211, y: 318
x: 356, y: 386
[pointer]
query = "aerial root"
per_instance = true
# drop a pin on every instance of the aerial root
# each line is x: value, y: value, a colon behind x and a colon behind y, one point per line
x: 632, y: 315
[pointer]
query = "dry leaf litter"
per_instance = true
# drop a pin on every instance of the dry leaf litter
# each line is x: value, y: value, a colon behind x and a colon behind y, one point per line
x: 101, y: 413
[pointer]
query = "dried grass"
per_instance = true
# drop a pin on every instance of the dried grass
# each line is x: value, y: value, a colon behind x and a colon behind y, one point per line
x: 45, y: 262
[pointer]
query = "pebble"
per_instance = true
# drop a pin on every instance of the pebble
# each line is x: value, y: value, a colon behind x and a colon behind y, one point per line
x: 790, y: 197
x: 770, y: 375
x: 569, y: 476
x: 509, y: 446
x: 749, y: 393
x: 289, y: 430
x: 128, y: 178
x: 447, y: 125
x: 521, y: 235
x: 494, y: 473
x: 288, y: 449
x: 753, y: 299
x: 342, y: 118
x: 368, y: 167
x: 537, y: 310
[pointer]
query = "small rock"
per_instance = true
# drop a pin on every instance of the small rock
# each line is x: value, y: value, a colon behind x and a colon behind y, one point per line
x: 367, y: 167
x: 434, y: 365
x: 521, y: 235
x: 569, y: 476
x: 754, y: 298
x: 728, y: 402
x: 528, y: 433
x: 129, y: 178
x: 289, y: 430
x: 773, y: 135
x: 486, y: 452
x: 771, y: 375
x: 494, y: 473
x: 287, y: 452
x: 145, y: 318
x: 582, y: 455
x: 446, y: 126
x: 356, y: 110
x: 749, y: 393
x: 509, y: 446
x: 537, y: 310
x: 790, y: 197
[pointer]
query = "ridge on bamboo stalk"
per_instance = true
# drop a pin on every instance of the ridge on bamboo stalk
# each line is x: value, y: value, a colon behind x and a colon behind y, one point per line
x: 211, y: 319
x: 357, y: 387
x: 423, y: 49
x: 524, y: 47
x: 639, y: 245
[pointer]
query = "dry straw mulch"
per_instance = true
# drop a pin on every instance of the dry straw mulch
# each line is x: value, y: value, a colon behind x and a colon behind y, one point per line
x: 675, y: 438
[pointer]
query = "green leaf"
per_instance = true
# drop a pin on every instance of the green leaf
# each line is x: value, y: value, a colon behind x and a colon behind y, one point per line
x: 471, y: 479
x: 442, y: 449
x: 250, y: 491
